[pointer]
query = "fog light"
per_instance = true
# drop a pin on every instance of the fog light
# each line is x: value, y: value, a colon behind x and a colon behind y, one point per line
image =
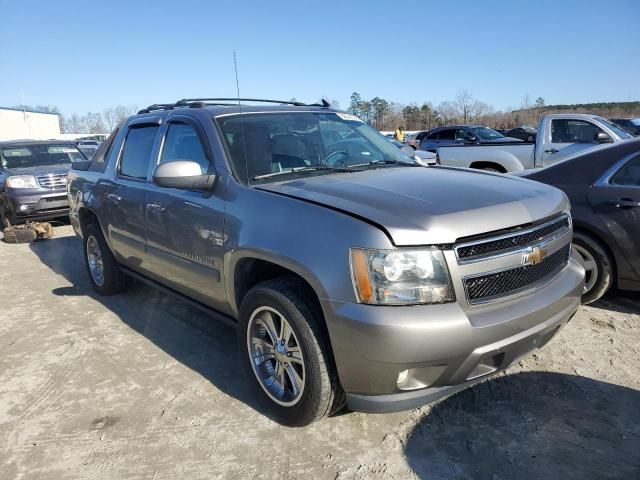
x: 24, y: 208
x: 402, y: 376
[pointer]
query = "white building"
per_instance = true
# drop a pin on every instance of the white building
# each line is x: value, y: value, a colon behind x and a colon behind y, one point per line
x: 24, y: 124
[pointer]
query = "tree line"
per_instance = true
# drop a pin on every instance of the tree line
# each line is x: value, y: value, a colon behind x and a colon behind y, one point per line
x: 384, y: 114
x: 90, y: 122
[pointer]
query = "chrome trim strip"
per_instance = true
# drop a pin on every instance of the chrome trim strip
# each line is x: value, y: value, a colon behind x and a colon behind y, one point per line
x: 500, y: 253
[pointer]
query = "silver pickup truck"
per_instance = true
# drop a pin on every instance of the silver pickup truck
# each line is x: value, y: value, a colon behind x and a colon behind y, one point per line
x: 559, y: 136
x: 352, y: 273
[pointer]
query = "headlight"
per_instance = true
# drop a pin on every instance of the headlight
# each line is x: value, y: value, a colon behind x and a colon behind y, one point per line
x: 22, y: 181
x: 400, y: 277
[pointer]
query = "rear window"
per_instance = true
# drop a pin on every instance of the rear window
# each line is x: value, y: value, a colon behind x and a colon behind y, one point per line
x: 25, y: 156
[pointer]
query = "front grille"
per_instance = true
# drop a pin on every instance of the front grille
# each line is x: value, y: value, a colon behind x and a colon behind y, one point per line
x: 512, y: 241
x: 507, y: 282
x: 53, y: 180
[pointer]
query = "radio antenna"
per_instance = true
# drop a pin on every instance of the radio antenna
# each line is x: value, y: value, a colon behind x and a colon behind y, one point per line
x: 244, y: 143
x: 235, y: 67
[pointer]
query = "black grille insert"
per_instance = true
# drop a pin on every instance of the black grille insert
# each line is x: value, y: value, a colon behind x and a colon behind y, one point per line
x: 510, y: 281
x: 508, y: 243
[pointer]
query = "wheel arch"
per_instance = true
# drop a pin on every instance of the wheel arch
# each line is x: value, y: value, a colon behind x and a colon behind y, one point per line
x: 248, y: 268
x: 600, y: 238
x: 485, y: 164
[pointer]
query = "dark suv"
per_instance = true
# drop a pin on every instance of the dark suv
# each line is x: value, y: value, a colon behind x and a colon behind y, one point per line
x: 461, y: 134
x: 631, y: 125
x: 33, y: 179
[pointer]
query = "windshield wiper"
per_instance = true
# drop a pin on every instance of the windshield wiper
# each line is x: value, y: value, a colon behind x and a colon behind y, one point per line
x: 313, y: 168
x: 387, y: 162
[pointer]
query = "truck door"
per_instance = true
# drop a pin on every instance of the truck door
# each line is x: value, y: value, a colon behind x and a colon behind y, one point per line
x: 617, y: 201
x: 568, y: 136
x: 126, y: 197
x: 185, y: 228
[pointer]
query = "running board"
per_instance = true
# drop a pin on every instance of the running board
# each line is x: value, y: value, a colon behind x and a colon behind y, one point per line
x: 218, y: 316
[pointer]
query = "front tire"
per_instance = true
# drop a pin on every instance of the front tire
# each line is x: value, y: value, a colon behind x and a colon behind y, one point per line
x: 285, y: 351
x: 103, y: 270
x: 599, y: 270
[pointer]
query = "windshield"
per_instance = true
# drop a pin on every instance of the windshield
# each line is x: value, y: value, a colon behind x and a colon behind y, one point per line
x: 486, y: 133
x: 619, y: 131
x: 25, y: 156
x: 260, y: 144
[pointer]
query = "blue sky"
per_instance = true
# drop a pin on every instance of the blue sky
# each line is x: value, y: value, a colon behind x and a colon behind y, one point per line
x: 85, y: 56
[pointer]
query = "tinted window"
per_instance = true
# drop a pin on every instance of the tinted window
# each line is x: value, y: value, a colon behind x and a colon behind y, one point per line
x: 136, y: 153
x: 182, y: 143
x: 432, y: 136
x: 572, y: 131
x: 629, y: 174
x: 448, y: 134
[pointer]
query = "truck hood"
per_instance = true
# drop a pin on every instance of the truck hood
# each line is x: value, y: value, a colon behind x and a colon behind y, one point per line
x: 429, y: 206
x: 39, y: 170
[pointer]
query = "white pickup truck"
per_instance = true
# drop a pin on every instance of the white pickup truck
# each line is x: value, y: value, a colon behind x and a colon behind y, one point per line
x: 559, y: 136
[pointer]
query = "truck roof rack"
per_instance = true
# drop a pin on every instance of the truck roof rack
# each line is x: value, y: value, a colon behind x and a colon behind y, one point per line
x: 203, y: 102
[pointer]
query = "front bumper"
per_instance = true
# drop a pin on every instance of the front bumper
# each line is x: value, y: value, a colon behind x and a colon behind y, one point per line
x: 443, y: 348
x: 38, y: 206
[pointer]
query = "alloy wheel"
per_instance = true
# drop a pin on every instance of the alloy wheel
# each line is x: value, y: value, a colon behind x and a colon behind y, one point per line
x: 276, y: 356
x: 590, y: 267
x: 94, y: 259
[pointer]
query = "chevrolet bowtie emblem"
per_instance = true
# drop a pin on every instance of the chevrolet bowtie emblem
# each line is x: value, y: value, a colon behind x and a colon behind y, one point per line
x: 533, y: 255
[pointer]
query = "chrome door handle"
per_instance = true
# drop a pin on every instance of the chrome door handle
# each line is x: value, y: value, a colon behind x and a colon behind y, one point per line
x: 155, y: 207
x: 112, y: 197
x: 552, y: 150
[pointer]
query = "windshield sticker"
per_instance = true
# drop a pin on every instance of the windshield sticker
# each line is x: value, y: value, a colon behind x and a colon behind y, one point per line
x: 348, y: 116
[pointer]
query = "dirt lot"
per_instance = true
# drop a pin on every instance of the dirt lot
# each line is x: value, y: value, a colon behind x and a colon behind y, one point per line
x: 143, y: 386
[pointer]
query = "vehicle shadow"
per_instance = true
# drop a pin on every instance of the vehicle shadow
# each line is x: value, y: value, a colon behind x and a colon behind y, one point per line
x: 185, y: 333
x: 529, y: 426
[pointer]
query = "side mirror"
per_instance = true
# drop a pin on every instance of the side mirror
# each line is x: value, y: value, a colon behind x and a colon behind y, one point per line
x: 184, y: 175
x: 602, y: 137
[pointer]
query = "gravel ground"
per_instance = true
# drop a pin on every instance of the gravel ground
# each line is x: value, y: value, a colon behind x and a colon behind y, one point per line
x: 143, y: 386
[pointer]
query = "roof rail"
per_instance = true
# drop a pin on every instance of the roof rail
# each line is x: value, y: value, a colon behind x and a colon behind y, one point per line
x: 202, y: 102
x: 186, y: 101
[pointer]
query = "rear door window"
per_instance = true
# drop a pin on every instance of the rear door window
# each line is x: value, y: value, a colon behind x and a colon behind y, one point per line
x: 136, y: 153
x: 629, y: 174
x: 448, y: 134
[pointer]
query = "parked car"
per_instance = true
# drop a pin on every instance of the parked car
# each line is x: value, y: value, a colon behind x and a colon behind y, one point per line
x: 631, y: 125
x: 351, y: 272
x: 422, y: 157
x: 461, y: 135
x: 604, y: 189
x: 414, y: 140
x: 560, y: 136
x: 33, y: 179
x: 524, y: 133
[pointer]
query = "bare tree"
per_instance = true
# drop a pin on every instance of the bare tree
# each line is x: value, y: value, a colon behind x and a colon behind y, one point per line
x: 525, y: 102
x: 464, y: 104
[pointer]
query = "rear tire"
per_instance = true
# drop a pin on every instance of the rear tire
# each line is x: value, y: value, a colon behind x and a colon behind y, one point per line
x: 103, y: 270
x: 263, y: 354
x: 599, y: 266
